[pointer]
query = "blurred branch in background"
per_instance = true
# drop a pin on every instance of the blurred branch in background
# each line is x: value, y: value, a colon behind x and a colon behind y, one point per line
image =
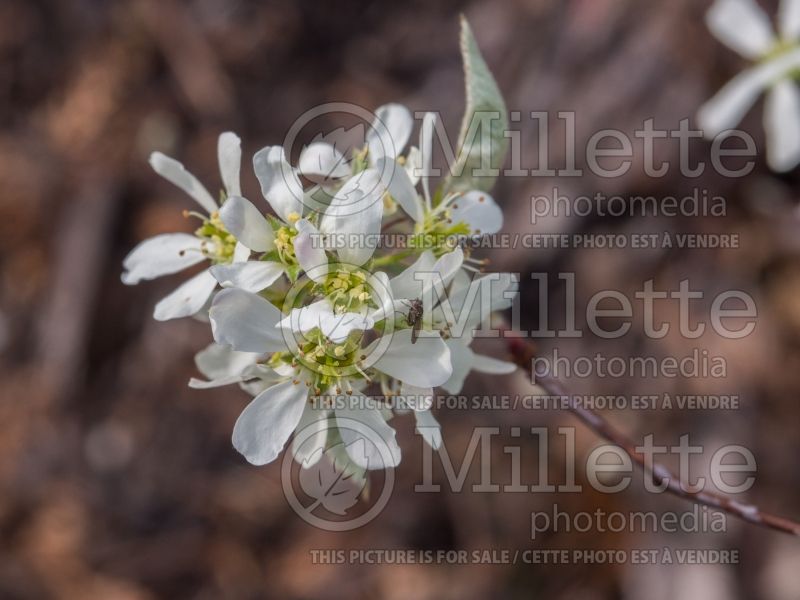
x: 523, y: 354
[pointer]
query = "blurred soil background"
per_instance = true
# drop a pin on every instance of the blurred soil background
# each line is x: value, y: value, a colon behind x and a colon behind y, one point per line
x: 117, y: 482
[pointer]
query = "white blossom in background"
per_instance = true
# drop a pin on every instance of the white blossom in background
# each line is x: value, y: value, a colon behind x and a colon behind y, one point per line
x: 169, y: 253
x: 746, y: 29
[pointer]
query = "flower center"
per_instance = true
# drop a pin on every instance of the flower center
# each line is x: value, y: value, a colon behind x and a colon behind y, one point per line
x: 325, y: 364
x: 437, y: 231
x: 347, y: 291
x: 284, y: 245
x: 218, y: 244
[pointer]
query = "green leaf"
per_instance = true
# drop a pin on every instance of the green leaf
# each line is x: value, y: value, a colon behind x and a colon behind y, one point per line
x: 482, y: 145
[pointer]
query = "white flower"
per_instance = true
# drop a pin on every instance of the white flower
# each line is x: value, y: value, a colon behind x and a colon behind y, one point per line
x: 354, y: 212
x: 354, y: 216
x: 313, y: 365
x: 354, y: 300
x: 457, y: 214
x: 385, y: 141
x: 469, y: 305
x: 285, y: 247
x: 466, y: 306
x: 172, y: 252
x: 743, y: 26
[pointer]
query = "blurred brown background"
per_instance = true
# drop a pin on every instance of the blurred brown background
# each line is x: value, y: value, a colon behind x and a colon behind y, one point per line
x: 118, y: 482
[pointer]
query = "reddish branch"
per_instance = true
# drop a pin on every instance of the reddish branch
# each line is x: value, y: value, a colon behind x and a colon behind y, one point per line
x: 523, y: 354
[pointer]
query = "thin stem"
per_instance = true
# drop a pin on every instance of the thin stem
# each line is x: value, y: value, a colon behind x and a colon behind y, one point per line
x: 523, y: 354
x: 391, y: 224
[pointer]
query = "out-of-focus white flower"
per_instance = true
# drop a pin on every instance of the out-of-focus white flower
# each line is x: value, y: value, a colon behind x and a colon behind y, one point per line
x: 743, y: 26
x: 172, y: 252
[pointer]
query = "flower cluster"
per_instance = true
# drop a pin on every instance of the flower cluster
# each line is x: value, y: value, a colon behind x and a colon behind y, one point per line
x: 321, y: 332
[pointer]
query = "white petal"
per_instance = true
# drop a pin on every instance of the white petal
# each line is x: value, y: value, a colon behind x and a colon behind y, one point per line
x: 461, y: 281
x: 461, y: 357
x: 161, y: 255
x: 229, y: 154
x: 309, y: 250
x: 423, y: 364
x: 308, y: 317
x: 417, y: 398
x: 279, y: 183
x: 729, y: 105
x: 215, y: 361
x: 782, y: 125
x: 491, y: 366
x: 355, y: 215
x: 201, y: 384
x: 323, y: 160
x: 400, y: 187
x: 413, y: 164
x: 336, y: 327
x: 505, y: 287
x: 479, y: 211
x: 389, y: 132
x: 428, y: 427
x: 246, y: 321
x: 267, y: 422
x: 789, y: 19
x: 369, y: 441
x: 252, y: 276
x: 405, y: 285
x: 465, y: 360
x: 447, y: 265
x: 471, y: 306
x: 418, y: 279
x: 309, y: 442
x: 426, y: 150
x: 317, y: 198
x: 381, y: 292
x: 742, y: 26
x: 240, y: 253
x: 256, y: 378
x: 174, y: 172
x: 188, y: 299
x: 247, y: 224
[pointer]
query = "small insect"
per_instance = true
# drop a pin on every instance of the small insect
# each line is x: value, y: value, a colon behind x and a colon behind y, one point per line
x: 414, y: 318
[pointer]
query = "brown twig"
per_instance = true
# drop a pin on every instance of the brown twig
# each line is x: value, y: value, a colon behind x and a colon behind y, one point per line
x: 523, y: 353
x: 391, y: 224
